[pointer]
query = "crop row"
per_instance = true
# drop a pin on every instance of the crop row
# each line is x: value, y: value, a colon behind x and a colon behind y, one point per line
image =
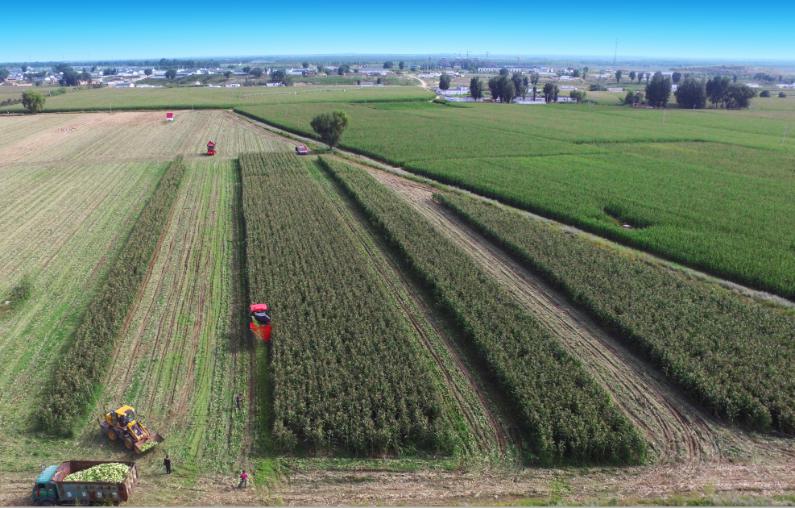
x: 564, y: 414
x: 731, y: 353
x: 348, y: 371
x: 75, y: 378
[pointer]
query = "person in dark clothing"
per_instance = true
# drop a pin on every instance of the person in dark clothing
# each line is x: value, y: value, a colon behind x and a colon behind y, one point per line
x: 239, y: 401
x: 167, y: 464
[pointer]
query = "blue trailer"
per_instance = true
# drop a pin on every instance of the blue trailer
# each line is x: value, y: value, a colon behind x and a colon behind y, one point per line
x: 50, y: 487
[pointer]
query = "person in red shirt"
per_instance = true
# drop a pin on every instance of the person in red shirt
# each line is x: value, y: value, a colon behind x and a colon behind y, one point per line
x: 243, y: 480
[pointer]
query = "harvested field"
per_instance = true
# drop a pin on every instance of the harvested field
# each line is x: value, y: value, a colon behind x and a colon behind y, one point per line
x: 126, y: 136
x: 182, y: 357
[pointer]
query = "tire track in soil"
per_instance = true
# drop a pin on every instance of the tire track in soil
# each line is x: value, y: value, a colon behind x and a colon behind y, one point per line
x: 498, y: 435
x: 676, y: 430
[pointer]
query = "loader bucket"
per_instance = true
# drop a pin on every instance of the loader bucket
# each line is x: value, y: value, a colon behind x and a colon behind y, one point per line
x: 145, y: 445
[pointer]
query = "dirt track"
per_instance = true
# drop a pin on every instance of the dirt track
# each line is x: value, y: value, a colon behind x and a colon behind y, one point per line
x: 677, y: 431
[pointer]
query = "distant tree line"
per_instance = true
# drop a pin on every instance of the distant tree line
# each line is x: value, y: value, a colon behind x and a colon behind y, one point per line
x: 720, y: 91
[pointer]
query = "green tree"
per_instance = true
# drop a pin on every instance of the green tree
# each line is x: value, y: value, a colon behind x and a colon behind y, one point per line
x: 640, y: 77
x: 278, y: 76
x: 535, y: 92
x: 227, y: 74
x: 256, y: 72
x: 85, y: 76
x: 534, y: 78
x: 575, y: 73
x: 676, y: 77
x: 739, y: 96
x: 389, y: 64
x: 658, y: 90
x: 33, y: 102
x: 631, y: 76
x: 246, y: 69
x: 343, y: 69
x: 504, y: 72
x: 330, y: 126
x: 765, y: 93
x: 782, y: 95
x: 109, y: 71
x: 507, y: 90
x: 691, y: 94
x: 3, y: 74
x: 476, y: 88
x: 401, y: 65
x: 171, y: 73
x: 24, y: 69
x: 585, y: 72
x: 519, y: 84
x: 619, y: 73
x: 717, y: 89
x: 444, y: 81
x: 69, y: 77
x: 551, y: 92
x: 578, y: 95
x: 305, y: 65
x: 148, y: 71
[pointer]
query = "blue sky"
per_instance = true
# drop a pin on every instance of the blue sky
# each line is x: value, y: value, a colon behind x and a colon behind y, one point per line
x: 91, y: 30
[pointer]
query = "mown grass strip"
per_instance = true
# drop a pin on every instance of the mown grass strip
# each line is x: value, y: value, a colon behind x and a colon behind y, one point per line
x: 75, y: 377
x: 348, y: 372
x: 732, y: 354
x: 564, y: 414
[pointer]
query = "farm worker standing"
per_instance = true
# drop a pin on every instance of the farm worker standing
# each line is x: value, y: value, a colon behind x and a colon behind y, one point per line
x: 239, y: 401
x: 167, y: 464
x: 243, y: 480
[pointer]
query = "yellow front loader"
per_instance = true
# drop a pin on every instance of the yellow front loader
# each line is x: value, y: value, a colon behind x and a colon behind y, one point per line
x: 123, y: 425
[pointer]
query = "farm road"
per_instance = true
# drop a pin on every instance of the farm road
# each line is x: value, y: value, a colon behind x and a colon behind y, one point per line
x: 677, y: 431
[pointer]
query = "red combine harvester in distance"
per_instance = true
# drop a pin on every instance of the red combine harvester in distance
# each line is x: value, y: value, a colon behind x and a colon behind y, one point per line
x: 169, y: 116
x: 211, y: 148
x: 260, y: 323
x: 301, y: 150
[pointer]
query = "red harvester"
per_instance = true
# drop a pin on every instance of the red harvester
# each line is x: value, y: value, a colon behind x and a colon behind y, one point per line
x: 260, y: 321
x: 210, y: 148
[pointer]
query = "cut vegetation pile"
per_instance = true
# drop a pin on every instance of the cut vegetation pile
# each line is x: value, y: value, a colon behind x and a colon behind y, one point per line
x: 348, y: 371
x: 112, y: 472
x: 564, y: 414
x: 731, y: 353
x: 78, y: 371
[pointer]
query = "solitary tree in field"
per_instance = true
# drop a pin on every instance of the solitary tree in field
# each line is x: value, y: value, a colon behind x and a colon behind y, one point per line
x: 3, y: 74
x: 476, y: 88
x: 444, y: 81
x: 585, y: 72
x: 24, y: 69
x: 631, y: 76
x: 305, y: 65
x: 640, y: 77
x: 33, y: 102
x: 534, y: 78
x: 171, y: 73
x: 519, y: 84
x: 618, y: 76
x: 401, y: 65
x: 389, y: 64
x: 676, y: 77
x: 535, y: 92
x: 330, y: 126
x: 148, y: 72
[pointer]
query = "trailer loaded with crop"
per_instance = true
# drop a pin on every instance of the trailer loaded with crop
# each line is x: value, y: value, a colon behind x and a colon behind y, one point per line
x: 84, y: 482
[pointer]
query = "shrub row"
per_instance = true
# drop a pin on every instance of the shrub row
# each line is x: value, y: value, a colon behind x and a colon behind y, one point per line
x: 76, y: 377
x: 731, y: 353
x: 348, y: 372
x: 564, y: 414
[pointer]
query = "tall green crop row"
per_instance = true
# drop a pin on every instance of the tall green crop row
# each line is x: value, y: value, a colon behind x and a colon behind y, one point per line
x: 731, y: 353
x: 348, y: 371
x: 75, y: 377
x: 564, y: 414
